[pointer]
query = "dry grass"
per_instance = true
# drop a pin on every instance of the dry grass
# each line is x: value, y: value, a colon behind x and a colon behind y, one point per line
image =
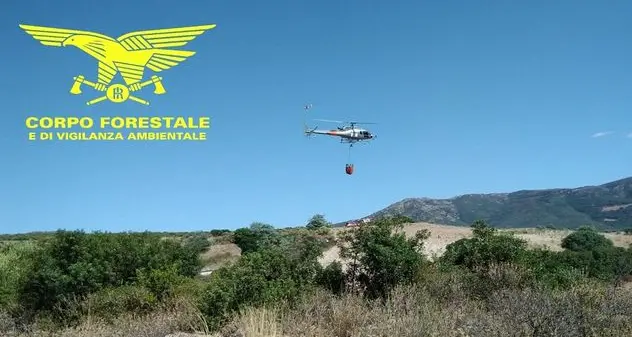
x: 438, y: 308
x: 180, y: 316
x: 443, y: 235
x: 440, y: 236
x: 416, y: 311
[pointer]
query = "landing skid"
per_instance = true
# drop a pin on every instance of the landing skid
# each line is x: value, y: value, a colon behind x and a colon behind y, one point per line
x: 352, y: 142
x: 343, y: 141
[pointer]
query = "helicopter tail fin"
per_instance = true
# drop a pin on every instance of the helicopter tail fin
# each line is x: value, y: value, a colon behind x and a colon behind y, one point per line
x: 306, y: 129
x: 309, y: 131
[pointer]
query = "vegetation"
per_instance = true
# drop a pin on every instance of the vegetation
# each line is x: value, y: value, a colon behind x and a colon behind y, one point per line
x: 139, y: 284
x: 317, y: 222
x: 606, y: 207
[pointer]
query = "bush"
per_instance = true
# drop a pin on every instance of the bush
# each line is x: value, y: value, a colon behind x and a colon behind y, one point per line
x: 492, y: 261
x: 585, y: 239
x: 75, y: 264
x: 603, y: 263
x: 332, y: 278
x: 381, y: 259
x: 324, y: 231
x: 271, y: 275
x: 550, y: 271
x: 198, y: 243
x: 15, y: 262
x: 110, y: 303
x: 485, y: 249
x: 256, y: 237
x: 160, y: 282
x: 219, y: 232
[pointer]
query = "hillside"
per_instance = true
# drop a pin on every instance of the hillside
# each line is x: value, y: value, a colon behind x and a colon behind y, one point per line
x: 443, y: 235
x: 605, y: 206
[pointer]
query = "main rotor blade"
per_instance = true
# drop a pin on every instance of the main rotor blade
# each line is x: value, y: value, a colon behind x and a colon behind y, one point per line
x: 328, y: 120
x: 343, y: 122
x: 358, y: 123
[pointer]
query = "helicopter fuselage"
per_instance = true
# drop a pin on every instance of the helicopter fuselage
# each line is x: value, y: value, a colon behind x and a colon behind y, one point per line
x: 348, y: 134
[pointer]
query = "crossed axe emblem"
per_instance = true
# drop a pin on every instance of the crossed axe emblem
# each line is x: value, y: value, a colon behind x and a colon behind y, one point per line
x: 117, y: 93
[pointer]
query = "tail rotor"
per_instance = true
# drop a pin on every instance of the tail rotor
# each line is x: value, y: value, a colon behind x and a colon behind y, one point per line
x: 306, y: 129
x: 309, y: 132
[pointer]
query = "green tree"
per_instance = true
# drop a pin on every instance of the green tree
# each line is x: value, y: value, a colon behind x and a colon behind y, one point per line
x: 317, y: 221
x: 381, y: 256
x: 255, y: 237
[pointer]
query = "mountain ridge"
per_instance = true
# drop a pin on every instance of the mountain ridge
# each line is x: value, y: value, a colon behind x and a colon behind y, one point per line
x: 606, y: 206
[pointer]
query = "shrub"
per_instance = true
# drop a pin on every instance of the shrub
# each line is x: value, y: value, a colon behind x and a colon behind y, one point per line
x: 75, y: 264
x: 160, y: 282
x: 324, y: 231
x: 381, y: 258
x: 550, y: 271
x: 219, y: 232
x: 112, y: 302
x: 256, y: 237
x: 271, y: 275
x: 486, y: 248
x: 198, y: 243
x: 585, y: 239
x: 494, y: 261
x: 332, y: 278
x: 15, y: 261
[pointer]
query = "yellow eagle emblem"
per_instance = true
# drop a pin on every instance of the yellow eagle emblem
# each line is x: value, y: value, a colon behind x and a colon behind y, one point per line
x: 128, y: 55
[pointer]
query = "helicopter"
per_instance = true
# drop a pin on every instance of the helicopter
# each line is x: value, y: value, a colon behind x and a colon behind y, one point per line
x: 348, y: 134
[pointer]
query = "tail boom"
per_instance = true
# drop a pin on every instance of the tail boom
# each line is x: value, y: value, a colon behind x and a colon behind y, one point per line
x: 308, y: 131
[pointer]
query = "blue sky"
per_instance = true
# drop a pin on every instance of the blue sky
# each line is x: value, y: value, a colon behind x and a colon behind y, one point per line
x: 470, y: 97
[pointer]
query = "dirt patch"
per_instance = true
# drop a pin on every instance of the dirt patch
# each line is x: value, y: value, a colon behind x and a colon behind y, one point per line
x: 620, y: 239
x: 219, y: 255
x: 440, y: 236
x: 329, y: 256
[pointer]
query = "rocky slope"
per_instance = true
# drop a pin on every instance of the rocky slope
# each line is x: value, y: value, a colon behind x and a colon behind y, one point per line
x: 607, y: 206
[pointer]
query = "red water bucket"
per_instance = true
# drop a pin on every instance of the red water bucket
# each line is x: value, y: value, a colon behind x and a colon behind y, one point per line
x: 349, y: 169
